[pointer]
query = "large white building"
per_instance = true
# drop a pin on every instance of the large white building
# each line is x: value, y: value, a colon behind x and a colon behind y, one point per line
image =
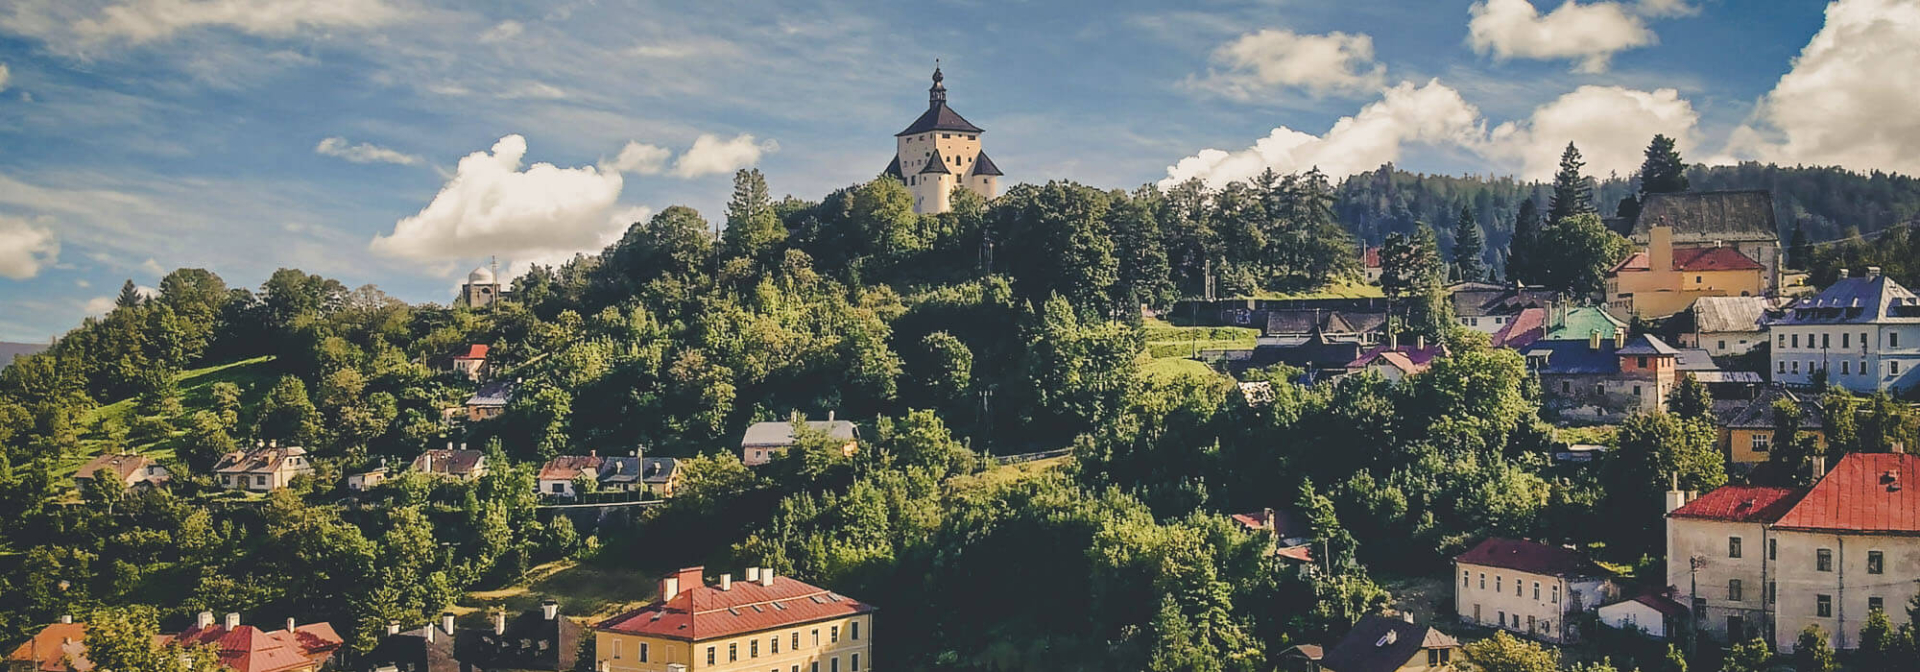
x: 1768, y: 562
x: 940, y: 151
x: 1863, y: 331
x: 1527, y: 587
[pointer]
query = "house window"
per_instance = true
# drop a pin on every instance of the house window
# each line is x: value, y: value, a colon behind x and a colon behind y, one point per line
x: 1483, y: 580
x: 773, y: 644
x: 1697, y: 279
x: 1893, y: 339
x: 1761, y: 442
x: 1773, y: 592
x: 833, y: 635
x: 1642, y: 363
x: 796, y: 640
x: 1566, y: 387
x: 643, y: 652
x: 1466, y: 579
x: 1773, y: 549
x: 1876, y: 562
x: 753, y: 649
x: 1536, y: 591
x: 1823, y: 560
x: 1556, y: 593
x: 616, y: 648
x: 833, y: 664
x: 1733, y: 590
x: 1876, y: 604
x: 1844, y: 340
x: 1516, y: 587
x: 853, y: 631
x: 1699, y: 607
x: 1502, y: 615
x: 559, y: 488
x: 1783, y: 340
x: 816, y: 636
x: 1826, y: 341
x: 1497, y: 587
x: 1823, y: 606
x: 262, y: 480
x: 1796, y: 367
x: 1796, y: 340
x: 1723, y: 345
x: 1636, y: 390
x: 1895, y: 366
x: 709, y: 655
x: 733, y: 652
x: 1846, y: 367
x: 1733, y: 547
x: 1783, y: 367
x: 854, y: 663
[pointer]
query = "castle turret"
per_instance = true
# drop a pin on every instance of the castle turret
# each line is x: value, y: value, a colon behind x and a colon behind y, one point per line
x: 940, y: 151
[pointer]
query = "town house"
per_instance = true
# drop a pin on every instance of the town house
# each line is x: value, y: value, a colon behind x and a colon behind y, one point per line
x: 766, y: 622
x: 1527, y: 587
x: 1863, y: 332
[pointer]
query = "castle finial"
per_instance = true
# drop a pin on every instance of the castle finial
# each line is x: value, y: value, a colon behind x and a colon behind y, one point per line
x: 937, y: 95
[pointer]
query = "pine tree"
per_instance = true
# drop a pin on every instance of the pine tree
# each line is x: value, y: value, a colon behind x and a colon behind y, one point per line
x: 1468, y: 247
x: 1797, y: 248
x: 753, y: 230
x: 1572, y: 191
x: 1522, y: 251
x: 130, y: 296
x: 1663, y: 171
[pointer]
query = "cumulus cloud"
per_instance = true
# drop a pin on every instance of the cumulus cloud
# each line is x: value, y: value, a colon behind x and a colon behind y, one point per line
x: 492, y: 206
x: 1667, y: 8
x: 1837, y: 105
x: 1274, y: 58
x: 1433, y: 114
x: 641, y: 159
x: 711, y: 155
x: 25, y: 249
x: 1610, y: 125
x: 363, y: 152
x: 141, y: 21
x: 1590, y: 34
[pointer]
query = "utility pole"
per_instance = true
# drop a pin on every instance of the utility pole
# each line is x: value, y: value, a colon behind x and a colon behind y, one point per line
x: 1693, y: 591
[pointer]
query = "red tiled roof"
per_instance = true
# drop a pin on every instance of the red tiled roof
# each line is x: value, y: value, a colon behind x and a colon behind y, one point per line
x: 250, y: 649
x: 1713, y: 259
x: 1867, y: 492
x: 475, y: 351
x: 565, y: 467
x: 705, y: 612
x: 1300, y: 553
x: 1529, y: 326
x: 56, y: 648
x: 1408, y: 358
x: 1531, y: 557
x: 1741, y: 504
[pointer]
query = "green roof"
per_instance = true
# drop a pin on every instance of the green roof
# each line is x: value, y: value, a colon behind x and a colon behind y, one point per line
x: 1581, y: 321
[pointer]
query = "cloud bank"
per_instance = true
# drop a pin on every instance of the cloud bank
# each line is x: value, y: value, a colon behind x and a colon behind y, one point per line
x: 492, y: 206
x: 25, y: 249
x: 69, y: 26
x: 1271, y: 59
x: 1589, y: 34
x: 641, y: 159
x: 363, y: 152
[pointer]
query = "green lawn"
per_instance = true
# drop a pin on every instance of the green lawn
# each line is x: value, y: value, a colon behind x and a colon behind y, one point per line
x: 1346, y: 289
x: 1174, y: 367
x: 583, y: 589
x: 1166, y: 340
x: 196, y: 393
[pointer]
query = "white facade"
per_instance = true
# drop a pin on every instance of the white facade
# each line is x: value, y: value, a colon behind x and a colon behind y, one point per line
x: 1635, y: 615
x: 1863, y: 332
x: 1536, y: 605
x: 1725, y: 592
x: 1838, y: 597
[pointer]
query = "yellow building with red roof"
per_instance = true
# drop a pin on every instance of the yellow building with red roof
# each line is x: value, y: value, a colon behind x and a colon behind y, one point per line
x: 765, y: 622
x: 1662, y: 280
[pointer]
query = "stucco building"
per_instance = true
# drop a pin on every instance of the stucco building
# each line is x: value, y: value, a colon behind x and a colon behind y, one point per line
x: 481, y: 289
x: 1740, y: 219
x: 765, y: 440
x: 940, y: 151
x: 1863, y: 331
x: 1746, y: 425
x: 1725, y: 325
x: 264, y: 467
x: 1663, y: 279
x: 765, y: 622
x: 1527, y: 587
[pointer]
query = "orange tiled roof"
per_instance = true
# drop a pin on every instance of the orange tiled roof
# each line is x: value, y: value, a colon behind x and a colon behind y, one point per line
x: 705, y: 612
x: 250, y: 649
x: 56, y: 648
x: 1867, y: 492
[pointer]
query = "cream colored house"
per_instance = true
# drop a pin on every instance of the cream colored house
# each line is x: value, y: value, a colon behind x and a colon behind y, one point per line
x: 940, y: 151
x: 1527, y: 587
x: 1662, y: 280
x: 765, y: 622
x: 1771, y: 561
x: 266, y: 466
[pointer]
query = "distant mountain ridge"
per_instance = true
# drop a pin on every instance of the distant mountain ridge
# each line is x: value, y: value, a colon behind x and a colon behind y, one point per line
x: 8, y: 351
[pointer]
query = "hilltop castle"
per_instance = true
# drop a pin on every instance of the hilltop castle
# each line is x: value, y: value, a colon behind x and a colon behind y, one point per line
x: 940, y: 151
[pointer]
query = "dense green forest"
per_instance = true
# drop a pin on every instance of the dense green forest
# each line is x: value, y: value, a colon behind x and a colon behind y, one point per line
x: 1001, y: 327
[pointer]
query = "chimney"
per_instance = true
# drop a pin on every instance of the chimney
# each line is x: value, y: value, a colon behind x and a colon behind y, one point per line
x: 1269, y: 522
x: 766, y: 576
x: 549, y: 609
x: 1406, y: 616
x: 393, y: 628
x: 753, y: 574
x: 593, y: 453
x: 203, y: 620
x: 1660, y: 249
x: 449, y: 444
x: 669, y: 587
x: 233, y: 620
x: 1873, y: 271
x: 1393, y: 341
x: 829, y: 416
x: 1420, y: 342
x: 446, y: 621
x: 726, y: 582
x: 428, y: 458
x: 430, y: 630
x: 290, y: 624
x: 66, y: 618
x: 499, y: 621
x: 1676, y: 497
x: 1619, y: 338
x: 1593, y: 340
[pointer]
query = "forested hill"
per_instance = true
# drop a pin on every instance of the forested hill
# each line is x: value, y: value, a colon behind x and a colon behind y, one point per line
x: 1826, y: 201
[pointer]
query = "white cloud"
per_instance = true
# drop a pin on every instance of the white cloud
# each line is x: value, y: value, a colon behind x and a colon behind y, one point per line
x: 503, y: 31
x: 532, y: 91
x: 1611, y: 126
x: 5, y: 75
x: 25, y: 248
x: 99, y: 305
x: 153, y: 267
x: 1841, y: 103
x: 1269, y: 59
x: 710, y: 155
x: 1433, y: 114
x: 641, y: 159
x: 491, y: 206
x: 141, y: 21
x: 1666, y: 8
x: 1589, y: 33
x: 363, y: 152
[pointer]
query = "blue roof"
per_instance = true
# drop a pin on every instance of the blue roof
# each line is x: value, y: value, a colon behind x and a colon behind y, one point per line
x: 492, y: 394
x: 1872, y: 299
x: 1573, y: 357
x: 1648, y: 345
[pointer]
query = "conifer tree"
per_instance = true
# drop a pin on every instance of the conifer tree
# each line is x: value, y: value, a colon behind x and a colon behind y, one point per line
x: 1522, y: 252
x: 1663, y: 171
x: 753, y: 230
x: 1572, y: 191
x: 1797, y: 248
x: 130, y: 296
x: 1468, y: 247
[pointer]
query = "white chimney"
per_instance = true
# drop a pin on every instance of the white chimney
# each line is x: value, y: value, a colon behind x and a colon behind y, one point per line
x: 233, y: 620
x: 549, y: 609
x: 428, y: 458
x: 1676, y: 497
x: 446, y: 621
x: 499, y: 621
x: 430, y: 630
x: 66, y: 618
x: 669, y: 587
x: 393, y: 628
x: 829, y: 416
x: 726, y: 582
x: 1407, y: 616
x: 753, y: 574
x: 203, y: 620
x: 766, y: 576
x: 290, y: 624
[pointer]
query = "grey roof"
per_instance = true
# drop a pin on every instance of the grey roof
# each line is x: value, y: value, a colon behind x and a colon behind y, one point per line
x: 1693, y: 360
x: 1482, y: 299
x: 1757, y: 413
x: 1708, y: 216
x: 451, y: 462
x: 778, y: 434
x: 492, y: 394
x: 1729, y: 313
x: 935, y: 164
x: 984, y: 166
x: 1873, y: 299
x: 939, y: 117
x: 1645, y: 344
x: 1726, y: 377
x: 1307, y: 320
x: 1383, y: 644
x: 649, y: 470
x: 893, y: 168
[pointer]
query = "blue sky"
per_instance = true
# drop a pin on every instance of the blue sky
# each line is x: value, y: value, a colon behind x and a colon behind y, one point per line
x: 138, y: 136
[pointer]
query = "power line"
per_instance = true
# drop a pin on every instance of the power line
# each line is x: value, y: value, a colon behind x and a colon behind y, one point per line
x: 1865, y: 236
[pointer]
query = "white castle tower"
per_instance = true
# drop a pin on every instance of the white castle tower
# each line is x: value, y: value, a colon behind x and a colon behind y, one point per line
x: 940, y: 151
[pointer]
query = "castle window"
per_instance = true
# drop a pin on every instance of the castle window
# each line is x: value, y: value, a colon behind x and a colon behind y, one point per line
x: 1876, y: 562
x: 946, y: 136
x: 1823, y: 560
x: 1823, y: 606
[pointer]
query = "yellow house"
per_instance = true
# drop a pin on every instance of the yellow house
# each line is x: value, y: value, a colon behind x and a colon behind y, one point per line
x: 1746, y: 425
x: 1660, y: 280
x: 1384, y: 644
x: 765, y: 622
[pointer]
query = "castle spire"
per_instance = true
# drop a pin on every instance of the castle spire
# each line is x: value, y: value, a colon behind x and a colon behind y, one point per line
x: 937, y: 95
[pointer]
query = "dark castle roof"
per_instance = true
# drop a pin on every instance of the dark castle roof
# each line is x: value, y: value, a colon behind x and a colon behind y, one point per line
x: 984, y: 166
x: 1707, y: 216
x: 936, y: 164
x: 938, y: 116
x: 893, y: 168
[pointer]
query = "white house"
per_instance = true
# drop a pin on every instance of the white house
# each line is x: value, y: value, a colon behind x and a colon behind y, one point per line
x: 1527, y: 587
x: 1726, y: 325
x: 1655, y: 615
x: 1863, y: 331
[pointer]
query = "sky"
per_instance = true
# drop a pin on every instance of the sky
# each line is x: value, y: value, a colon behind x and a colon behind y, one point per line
x: 401, y: 143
